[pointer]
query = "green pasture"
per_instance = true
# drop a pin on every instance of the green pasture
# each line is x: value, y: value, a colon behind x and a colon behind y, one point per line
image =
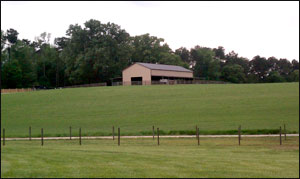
x: 175, y: 109
x: 215, y: 157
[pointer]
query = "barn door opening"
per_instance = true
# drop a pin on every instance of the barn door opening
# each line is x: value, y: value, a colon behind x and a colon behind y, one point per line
x: 136, y: 80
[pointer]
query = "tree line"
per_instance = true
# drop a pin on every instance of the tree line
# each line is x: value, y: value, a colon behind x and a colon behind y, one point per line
x: 98, y: 52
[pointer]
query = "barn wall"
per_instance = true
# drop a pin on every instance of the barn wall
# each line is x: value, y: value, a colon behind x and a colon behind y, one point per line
x: 172, y: 73
x: 136, y: 70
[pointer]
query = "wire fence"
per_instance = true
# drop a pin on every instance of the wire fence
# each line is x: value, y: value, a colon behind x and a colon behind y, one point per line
x: 16, y: 90
x: 168, y: 82
x: 126, y: 83
x: 154, y: 132
x: 87, y: 85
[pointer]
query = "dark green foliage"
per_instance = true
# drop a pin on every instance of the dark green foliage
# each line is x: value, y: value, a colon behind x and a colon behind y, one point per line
x: 295, y: 64
x: 284, y: 67
x: 207, y: 66
x: 23, y: 54
x: 11, y: 75
x: 259, y: 67
x: 98, y: 52
x: 219, y: 52
x: 294, y: 76
x: 12, y: 36
x: 274, y: 77
x: 148, y: 49
x: 95, y: 53
x: 184, y: 54
x: 233, y: 73
x: 232, y: 58
x: 3, y: 39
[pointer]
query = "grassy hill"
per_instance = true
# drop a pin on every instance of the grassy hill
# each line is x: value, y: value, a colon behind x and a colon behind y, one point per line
x: 216, y: 109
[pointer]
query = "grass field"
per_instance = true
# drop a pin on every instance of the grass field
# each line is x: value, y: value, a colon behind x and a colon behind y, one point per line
x: 175, y: 109
x: 215, y: 157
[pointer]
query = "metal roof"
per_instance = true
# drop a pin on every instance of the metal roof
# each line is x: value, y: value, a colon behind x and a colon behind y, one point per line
x: 164, y: 67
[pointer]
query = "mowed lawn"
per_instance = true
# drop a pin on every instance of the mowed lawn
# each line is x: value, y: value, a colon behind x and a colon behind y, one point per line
x: 135, y: 109
x: 215, y: 157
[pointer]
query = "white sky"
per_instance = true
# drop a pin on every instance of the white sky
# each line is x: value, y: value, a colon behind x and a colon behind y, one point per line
x: 249, y: 28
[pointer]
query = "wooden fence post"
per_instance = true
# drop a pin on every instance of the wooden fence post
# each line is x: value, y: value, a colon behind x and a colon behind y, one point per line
x: 196, y: 131
x: 118, y: 136
x: 42, y: 137
x: 198, y: 136
x: 3, y: 136
x: 79, y: 136
x: 239, y: 131
x: 70, y: 133
x: 157, y: 136
x: 29, y: 132
x: 153, y: 132
x: 284, y: 132
x: 113, y: 132
x: 280, y: 135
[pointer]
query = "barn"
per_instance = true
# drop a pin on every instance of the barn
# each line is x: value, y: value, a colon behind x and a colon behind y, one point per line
x: 148, y: 73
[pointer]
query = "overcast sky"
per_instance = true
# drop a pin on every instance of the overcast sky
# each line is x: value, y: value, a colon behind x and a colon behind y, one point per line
x: 249, y: 28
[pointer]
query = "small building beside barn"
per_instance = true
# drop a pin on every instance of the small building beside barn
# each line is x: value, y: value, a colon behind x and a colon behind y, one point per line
x: 147, y: 74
